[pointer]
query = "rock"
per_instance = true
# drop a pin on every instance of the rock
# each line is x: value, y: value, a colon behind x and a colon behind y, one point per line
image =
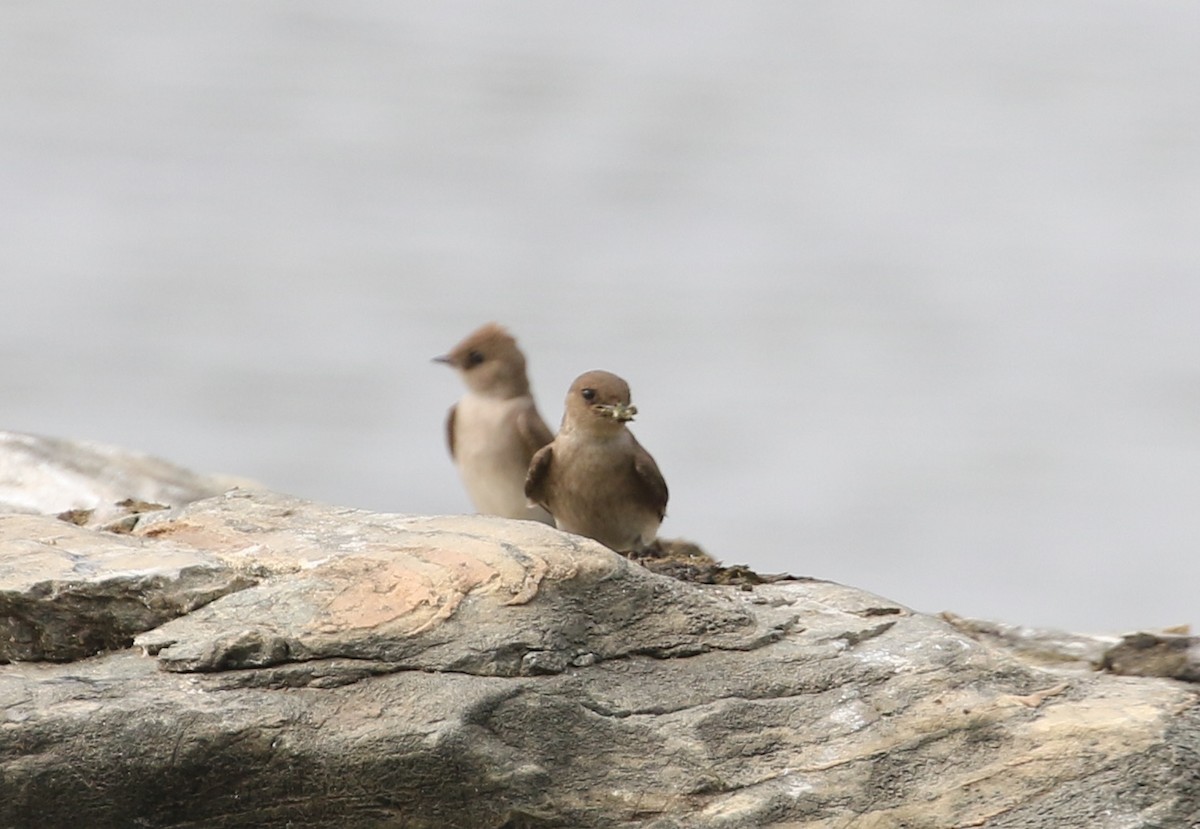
x: 51, y: 476
x: 1038, y: 645
x: 67, y: 592
x: 1155, y: 654
x: 1172, y: 653
x: 424, y: 594
x: 372, y: 670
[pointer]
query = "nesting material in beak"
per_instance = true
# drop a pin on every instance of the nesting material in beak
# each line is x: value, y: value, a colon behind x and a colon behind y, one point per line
x: 619, y: 412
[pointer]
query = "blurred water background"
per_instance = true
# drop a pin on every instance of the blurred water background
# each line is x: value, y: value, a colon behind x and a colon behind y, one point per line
x: 908, y: 294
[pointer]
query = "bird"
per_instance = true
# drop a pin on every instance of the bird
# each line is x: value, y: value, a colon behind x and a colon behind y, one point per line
x: 494, y: 430
x: 594, y: 477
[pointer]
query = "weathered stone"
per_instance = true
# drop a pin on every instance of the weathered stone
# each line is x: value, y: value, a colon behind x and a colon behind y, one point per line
x: 1155, y: 654
x: 425, y: 593
x: 68, y: 592
x: 401, y: 671
x: 52, y: 475
x: 1171, y: 653
x: 1041, y: 646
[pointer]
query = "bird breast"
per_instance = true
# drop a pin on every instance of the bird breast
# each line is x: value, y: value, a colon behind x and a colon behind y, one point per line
x: 490, y: 453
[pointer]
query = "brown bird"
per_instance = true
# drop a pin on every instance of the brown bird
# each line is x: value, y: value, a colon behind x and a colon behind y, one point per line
x: 494, y: 429
x: 595, y: 478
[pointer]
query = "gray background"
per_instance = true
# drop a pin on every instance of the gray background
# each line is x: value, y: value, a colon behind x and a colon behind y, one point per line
x: 907, y: 293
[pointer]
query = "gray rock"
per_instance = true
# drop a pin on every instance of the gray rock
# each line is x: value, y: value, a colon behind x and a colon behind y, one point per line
x: 1040, y: 646
x: 403, y: 671
x: 53, y: 475
x: 67, y: 592
x: 1172, y: 653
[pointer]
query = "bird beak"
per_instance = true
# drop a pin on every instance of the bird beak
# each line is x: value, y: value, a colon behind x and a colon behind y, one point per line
x: 619, y: 412
x: 445, y: 358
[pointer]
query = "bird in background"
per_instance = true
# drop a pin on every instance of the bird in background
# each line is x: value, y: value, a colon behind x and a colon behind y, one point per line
x: 594, y: 477
x: 494, y: 430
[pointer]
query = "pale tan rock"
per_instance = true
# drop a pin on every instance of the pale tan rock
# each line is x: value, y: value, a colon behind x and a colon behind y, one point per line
x: 423, y: 592
x: 467, y: 672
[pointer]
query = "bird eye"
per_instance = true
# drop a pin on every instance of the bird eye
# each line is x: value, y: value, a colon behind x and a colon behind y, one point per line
x: 474, y: 358
x: 588, y: 394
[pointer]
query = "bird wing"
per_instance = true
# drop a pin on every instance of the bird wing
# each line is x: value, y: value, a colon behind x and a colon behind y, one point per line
x: 533, y: 430
x: 539, y: 471
x: 651, y: 480
x: 450, y: 428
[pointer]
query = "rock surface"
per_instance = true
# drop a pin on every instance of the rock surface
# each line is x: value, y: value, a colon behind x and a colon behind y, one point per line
x: 318, y: 666
x: 67, y: 592
x: 51, y: 475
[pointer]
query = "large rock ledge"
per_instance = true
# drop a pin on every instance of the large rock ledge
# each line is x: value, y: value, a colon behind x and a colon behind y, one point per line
x: 255, y: 660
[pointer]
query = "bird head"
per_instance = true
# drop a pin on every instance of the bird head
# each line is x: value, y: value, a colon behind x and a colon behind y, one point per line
x: 598, y: 401
x: 489, y: 362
